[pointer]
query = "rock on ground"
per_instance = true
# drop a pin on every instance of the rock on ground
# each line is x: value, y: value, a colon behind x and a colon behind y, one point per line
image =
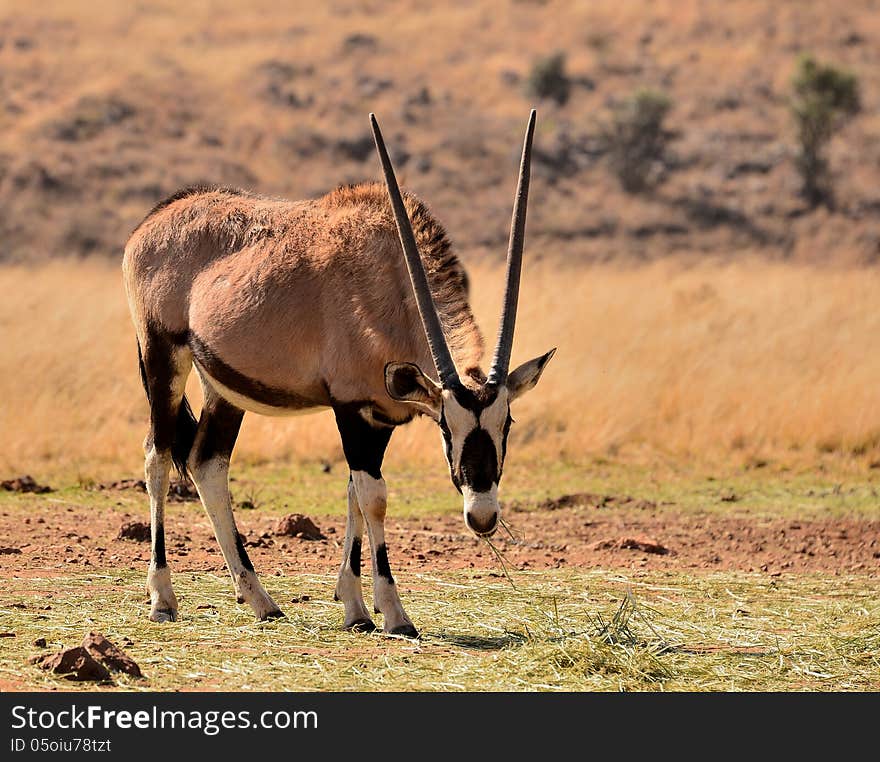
x: 297, y: 525
x: 73, y: 664
x: 110, y: 655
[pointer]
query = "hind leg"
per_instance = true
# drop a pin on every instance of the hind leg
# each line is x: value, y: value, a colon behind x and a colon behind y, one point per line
x: 209, y: 466
x: 166, y: 367
x: 163, y: 602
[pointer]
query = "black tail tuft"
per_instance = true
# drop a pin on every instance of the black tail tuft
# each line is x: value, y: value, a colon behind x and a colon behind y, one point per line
x: 143, y: 369
x: 184, y: 437
x: 185, y: 428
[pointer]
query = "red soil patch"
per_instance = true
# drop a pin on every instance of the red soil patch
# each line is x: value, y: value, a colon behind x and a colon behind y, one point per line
x: 584, y: 531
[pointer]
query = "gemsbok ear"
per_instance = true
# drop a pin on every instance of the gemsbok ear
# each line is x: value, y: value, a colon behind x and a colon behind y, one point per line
x: 526, y: 375
x: 405, y: 382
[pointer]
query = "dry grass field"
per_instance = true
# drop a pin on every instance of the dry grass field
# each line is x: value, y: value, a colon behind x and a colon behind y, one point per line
x: 746, y: 362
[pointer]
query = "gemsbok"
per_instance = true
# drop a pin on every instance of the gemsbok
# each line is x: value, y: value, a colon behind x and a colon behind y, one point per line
x: 286, y: 307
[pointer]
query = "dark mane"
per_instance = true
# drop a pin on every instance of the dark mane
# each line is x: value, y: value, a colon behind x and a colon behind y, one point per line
x: 446, y: 275
x: 442, y: 265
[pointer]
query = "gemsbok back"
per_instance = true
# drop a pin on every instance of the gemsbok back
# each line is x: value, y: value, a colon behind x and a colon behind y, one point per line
x: 286, y: 307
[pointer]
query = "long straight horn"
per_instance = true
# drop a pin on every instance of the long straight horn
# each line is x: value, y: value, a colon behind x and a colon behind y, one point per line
x: 501, y: 360
x: 443, y: 362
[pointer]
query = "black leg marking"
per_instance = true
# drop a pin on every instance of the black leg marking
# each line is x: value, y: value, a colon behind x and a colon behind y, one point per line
x: 382, y: 566
x: 157, y: 373
x: 354, y: 557
x: 363, y: 445
x: 242, y: 553
x: 159, y: 547
x: 218, y: 431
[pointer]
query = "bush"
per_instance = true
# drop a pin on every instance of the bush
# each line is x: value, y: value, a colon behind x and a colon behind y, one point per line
x: 825, y: 97
x: 548, y: 80
x: 635, y: 138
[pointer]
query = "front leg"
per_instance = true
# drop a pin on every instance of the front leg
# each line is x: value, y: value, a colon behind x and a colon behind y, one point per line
x: 348, y: 585
x: 372, y: 496
x: 364, y: 446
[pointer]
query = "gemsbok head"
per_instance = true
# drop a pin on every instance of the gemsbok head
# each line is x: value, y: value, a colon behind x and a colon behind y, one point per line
x: 285, y: 307
x: 474, y: 417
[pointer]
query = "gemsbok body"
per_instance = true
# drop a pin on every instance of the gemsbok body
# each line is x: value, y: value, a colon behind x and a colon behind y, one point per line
x: 285, y: 307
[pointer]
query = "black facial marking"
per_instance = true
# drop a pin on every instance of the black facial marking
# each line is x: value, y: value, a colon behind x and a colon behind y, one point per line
x: 363, y: 445
x: 159, y: 547
x: 479, y: 467
x: 475, y: 400
x: 218, y: 430
x: 504, y: 434
x: 242, y: 553
x: 479, y: 461
x: 382, y: 567
x: 447, y: 446
x: 248, y: 387
x: 354, y: 557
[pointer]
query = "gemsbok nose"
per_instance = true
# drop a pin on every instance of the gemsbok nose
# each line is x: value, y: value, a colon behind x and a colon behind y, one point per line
x: 484, y: 526
x: 481, y: 511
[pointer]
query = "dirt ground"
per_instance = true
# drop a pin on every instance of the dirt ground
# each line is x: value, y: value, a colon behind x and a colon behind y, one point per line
x: 576, y: 530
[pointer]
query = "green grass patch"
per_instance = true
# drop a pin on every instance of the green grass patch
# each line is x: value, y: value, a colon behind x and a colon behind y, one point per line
x: 308, y: 488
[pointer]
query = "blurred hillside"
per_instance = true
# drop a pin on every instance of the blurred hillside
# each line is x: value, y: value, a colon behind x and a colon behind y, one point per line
x: 106, y: 107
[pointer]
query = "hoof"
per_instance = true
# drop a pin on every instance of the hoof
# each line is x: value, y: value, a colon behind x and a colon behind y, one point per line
x: 361, y: 625
x: 163, y: 615
x: 276, y: 614
x: 405, y: 631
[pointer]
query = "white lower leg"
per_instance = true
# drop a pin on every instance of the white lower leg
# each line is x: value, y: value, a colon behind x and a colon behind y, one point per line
x: 372, y: 497
x: 348, y: 585
x: 163, y: 603
x: 212, y: 484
